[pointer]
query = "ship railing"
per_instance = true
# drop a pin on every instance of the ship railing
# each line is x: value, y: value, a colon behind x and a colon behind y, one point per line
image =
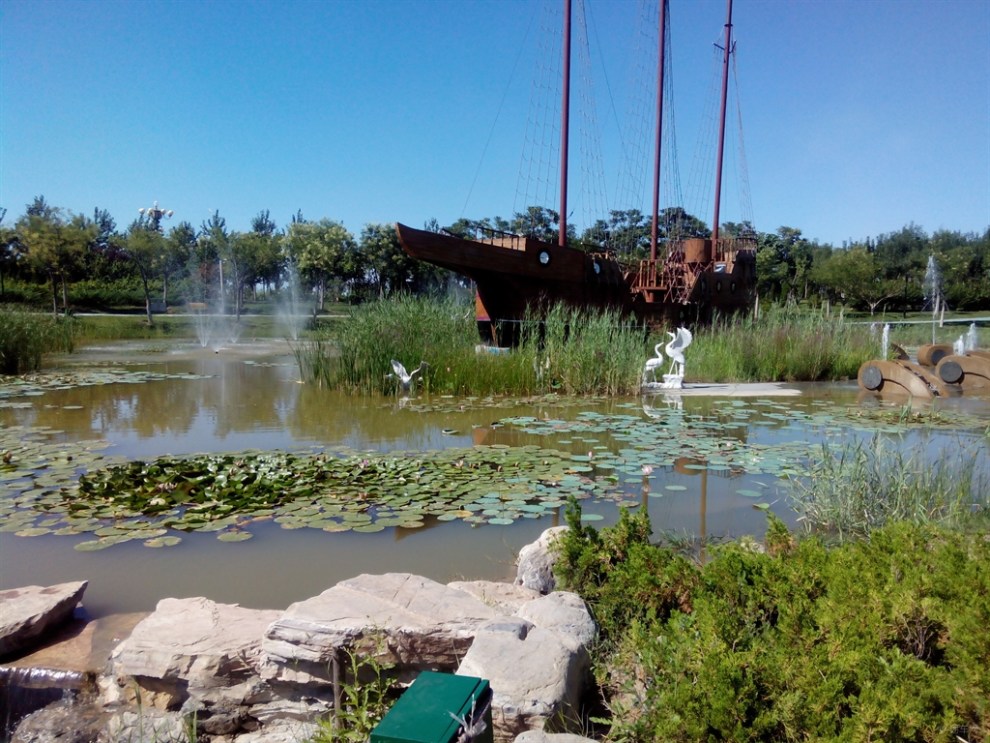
x: 496, y: 238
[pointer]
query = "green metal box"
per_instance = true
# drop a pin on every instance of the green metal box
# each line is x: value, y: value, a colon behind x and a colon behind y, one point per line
x: 423, y: 712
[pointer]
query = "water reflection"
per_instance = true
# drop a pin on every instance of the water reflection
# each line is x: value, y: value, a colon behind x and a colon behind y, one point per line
x: 699, y: 465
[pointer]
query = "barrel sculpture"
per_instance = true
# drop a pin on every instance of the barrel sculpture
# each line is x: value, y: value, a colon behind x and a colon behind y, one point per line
x: 971, y: 371
x: 900, y: 377
x: 931, y: 353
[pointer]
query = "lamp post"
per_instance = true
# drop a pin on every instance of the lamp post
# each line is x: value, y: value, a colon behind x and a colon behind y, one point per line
x: 155, y: 214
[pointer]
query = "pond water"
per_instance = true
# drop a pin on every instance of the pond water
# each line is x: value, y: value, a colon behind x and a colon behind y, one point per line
x: 703, y: 466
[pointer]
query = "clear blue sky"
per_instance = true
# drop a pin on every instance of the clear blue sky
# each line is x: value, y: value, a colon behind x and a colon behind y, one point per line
x: 860, y: 116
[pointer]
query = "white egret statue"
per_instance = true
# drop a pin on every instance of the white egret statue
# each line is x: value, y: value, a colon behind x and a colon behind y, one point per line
x: 405, y: 378
x: 650, y: 369
x: 675, y: 350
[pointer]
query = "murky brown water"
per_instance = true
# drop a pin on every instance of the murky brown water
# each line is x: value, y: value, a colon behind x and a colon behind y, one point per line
x: 249, y: 397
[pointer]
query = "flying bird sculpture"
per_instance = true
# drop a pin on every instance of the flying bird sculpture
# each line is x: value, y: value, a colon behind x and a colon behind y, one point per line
x: 675, y: 350
x: 650, y: 369
x: 405, y: 378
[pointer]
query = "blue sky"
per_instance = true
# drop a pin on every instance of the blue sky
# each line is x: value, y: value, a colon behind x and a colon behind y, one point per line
x: 859, y: 116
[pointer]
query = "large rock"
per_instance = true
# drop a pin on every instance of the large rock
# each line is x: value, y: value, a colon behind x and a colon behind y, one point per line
x: 565, y: 613
x: 407, y: 621
x: 536, y: 675
x: 538, y: 736
x: 28, y: 614
x: 196, y: 656
x: 506, y: 598
x: 534, y: 564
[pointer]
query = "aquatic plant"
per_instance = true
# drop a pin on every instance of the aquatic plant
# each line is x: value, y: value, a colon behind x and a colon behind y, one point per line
x: 26, y: 336
x: 784, y: 345
x: 569, y: 351
x: 852, y: 490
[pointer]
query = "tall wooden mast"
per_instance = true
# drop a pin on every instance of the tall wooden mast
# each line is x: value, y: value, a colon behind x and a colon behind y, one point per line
x: 726, y: 51
x: 659, y: 130
x: 564, y: 122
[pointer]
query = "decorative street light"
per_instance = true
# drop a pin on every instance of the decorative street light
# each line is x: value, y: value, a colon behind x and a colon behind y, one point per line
x: 155, y: 215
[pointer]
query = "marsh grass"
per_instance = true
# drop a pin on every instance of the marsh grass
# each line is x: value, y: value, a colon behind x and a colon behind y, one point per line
x: 569, y: 351
x: 783, y: 345
x: 27, y: 336
x: 859, y: 488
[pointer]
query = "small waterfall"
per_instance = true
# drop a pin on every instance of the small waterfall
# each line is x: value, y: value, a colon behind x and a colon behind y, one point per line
x: 26, y: 690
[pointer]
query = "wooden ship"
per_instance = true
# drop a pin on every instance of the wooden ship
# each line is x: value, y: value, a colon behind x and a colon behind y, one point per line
x: 687, y: 281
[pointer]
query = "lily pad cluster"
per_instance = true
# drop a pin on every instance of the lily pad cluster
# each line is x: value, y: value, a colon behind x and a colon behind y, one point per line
x: 226, y: 493
x: 38, y: 383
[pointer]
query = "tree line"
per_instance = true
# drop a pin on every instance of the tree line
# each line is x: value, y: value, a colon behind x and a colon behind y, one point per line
x: 53, y: 247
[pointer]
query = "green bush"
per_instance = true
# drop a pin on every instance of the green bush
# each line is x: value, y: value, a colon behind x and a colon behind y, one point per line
x: 26, y: 336
x: 882, y: 639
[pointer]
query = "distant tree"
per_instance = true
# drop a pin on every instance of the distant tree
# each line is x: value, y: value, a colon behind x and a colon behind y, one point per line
x: 323, y: 251
x: 9, y: 250
x: 265, y: 254
x: 145, y: 246
x: 854, y: 274
x: 392, y: 269
x: 55, y: 243
x: 178, y: 248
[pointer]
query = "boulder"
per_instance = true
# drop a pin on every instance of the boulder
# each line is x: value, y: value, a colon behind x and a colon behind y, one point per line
x: 565, y: 613
x: 28, y: 614
x: 534, y: 565
x: 506, y: 598
x: 196, y: 656
x: 536, y: 675
x: 402, y: 620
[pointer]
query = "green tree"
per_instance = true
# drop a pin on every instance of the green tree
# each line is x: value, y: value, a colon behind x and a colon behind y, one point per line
x: 322, y: 251
x: 55, y: 243
x: 145, y: 246
x: 854, y: 274
x: 177, y: 249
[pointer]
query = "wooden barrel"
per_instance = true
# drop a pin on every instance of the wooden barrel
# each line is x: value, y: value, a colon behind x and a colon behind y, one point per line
x: 697, y: 250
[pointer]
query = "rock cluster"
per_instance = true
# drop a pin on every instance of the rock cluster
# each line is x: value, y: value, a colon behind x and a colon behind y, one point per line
x: 261, y: 675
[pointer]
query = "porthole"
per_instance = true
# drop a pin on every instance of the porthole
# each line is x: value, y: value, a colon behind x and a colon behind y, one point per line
x: 597, y: 266
x: 718, y: 286
x: 544, y: 257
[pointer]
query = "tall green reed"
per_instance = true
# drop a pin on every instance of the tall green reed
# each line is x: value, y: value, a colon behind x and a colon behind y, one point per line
x: 26, y: 336
x: 567, y: 350
x: 851, y: 491
x: 784, y: 345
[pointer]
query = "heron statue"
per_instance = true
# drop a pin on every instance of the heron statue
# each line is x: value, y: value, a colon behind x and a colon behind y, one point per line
x: 650, y: 369
x: 675, y: 350
x: 405, y: 378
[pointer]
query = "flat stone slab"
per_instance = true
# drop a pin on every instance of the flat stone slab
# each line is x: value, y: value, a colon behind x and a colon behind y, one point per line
x: 27, y: 614
x: 712, y: 389
x: 406, y: 620
x: 189, y: 645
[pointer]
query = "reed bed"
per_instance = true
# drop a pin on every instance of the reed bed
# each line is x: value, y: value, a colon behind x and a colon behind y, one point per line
x: 783, y: 345
x: 569, y: 351
x: 27, y: 336
x: 861, y: 487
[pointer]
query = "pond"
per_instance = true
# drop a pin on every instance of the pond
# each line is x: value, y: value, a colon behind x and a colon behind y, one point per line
x: 704, y: 465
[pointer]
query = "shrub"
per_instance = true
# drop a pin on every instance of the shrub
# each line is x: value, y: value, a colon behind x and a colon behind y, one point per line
x: 881, y: 639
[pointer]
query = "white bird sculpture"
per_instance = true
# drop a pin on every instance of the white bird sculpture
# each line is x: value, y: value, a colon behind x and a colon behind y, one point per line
x: 650, y: 369
x: 675, y: 349
x: 405, y: 378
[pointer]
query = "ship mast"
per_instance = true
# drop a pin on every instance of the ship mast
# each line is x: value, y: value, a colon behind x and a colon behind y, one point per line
x: 726, y: 51
x: 564, y: 120
x: 659, y: 131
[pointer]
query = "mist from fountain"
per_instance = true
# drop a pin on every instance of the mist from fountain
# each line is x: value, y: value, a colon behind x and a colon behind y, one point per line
x: 933, y: 291
x: 291, y: 312
x: 971, y: 337
x: 885, y: 341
